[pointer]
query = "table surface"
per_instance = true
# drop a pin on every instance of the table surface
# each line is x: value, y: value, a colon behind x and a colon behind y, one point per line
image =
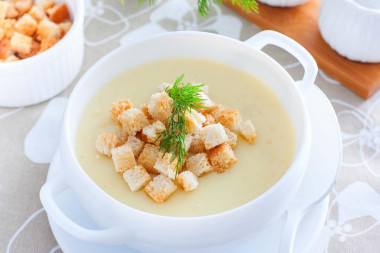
x: 29, y: 136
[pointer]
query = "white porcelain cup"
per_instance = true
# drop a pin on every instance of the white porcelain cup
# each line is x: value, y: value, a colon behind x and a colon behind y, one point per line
x: 283, y: 3
x: 38, y: 78
x: 123, y: 224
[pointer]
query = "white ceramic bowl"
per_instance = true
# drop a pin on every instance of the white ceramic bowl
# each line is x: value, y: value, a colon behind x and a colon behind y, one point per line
x: 352, y: 28
x: 38, y: 78
x: 283, y: 3
x: 123, y: 224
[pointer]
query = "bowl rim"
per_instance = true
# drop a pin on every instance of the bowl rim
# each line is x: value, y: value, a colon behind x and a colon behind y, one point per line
x: 66, y: 133
x: 367, y: 9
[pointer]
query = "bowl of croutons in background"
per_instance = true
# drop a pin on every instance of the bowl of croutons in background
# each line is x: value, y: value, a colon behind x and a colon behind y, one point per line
x: 41, y: 49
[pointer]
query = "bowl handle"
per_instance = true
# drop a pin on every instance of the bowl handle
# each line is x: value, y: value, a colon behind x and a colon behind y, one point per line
x: 307, y: 61
x: 56, y: 185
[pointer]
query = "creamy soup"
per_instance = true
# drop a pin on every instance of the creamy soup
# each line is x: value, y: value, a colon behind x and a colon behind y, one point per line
x: 259, y: 165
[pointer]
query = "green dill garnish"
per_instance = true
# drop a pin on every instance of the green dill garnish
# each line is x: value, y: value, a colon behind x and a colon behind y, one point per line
x: 186, y: 97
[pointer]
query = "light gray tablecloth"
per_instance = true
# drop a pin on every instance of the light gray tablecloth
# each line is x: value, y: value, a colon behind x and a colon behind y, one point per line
x: 29, y: 136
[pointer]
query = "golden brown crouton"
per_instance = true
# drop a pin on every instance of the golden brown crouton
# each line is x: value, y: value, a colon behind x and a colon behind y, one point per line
x: 148, y: 158
x: 222, y: 157
x: 105, y: 142
x: 213, y: 135
x: 209, y: 120
x: 3, y: 10
x: 12, y: 12
x: 48, y: 30
x: 5, y: 49
x: 151, y: 132
x: 58, y: 13
x: 136, y: 144
x: 165, y: 166
x: 232, y: 138
x: 1, y: 33
x: 137, y: 178
x: 26, y: 25
x: 248, y: 131
x: 45, y: 4
x: 188, y: 181
x: 215, y: 111
x: 198, y: 164
x: 47, y: 43
x: 160, y: 188
x: 23, y: 6
x: 21, y: 43
x: 144, y: 109
x: 133, y: 120
x: 120, y: 133
x: 123, y: 158
x: 197, y: 144
x: 230, y: 119
x: 12, y: 58
x: 7, y: 25
x: 119, y: 107
x: 37, y: 13
x: 159, y: 106
x: 194, y: 121
x: 65, y: 27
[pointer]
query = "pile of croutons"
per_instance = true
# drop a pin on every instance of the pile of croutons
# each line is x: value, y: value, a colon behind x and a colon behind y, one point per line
x: 209, y: 142
x: 29, y: 27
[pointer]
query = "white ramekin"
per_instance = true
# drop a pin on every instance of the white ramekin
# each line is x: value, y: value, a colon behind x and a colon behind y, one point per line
x: 352, y: 28
x: 283, y: 3
x: 38, y: 78
x: 138, y: 229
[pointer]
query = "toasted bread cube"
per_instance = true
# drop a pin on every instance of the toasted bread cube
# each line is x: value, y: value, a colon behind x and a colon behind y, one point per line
x: 213, y: 135
x: 21, y: 43
x: 198, y: 164
x: 120, y: 133
x: 222, y: 157
x: 137, y: 178
x: 232, y: 138
x: 133, y: 120
x: 12, y: 58
x: 35, y: 49
x: 105, y: 142
x: 65, y: 27
x: 136, y: 144
x: 215, y: 111
x: 48, y: 30
x: 23, y: 6
x: 148, y: 158
x: 230, y: 119
x: 123, y: 158
x: 26, y: 25
x: 165, y: 166
x: 7, y: 25
x: 3, y: 10
x: 188, y: 140
x: 194, y: 121
x: 248, y: 131
x: 47, y: 43
x: 162, y: 87
x: 188, y: 181
x: 197, y: 144
x: 151, y: 132
x: 207, y: 102
x: 12, y: 12
x: 1, y: 33
x: 118, y: 108
x: 58, y: 13
x: 45, y: 4
x: 159, y: 106
x: 37, y: 13
x: 144, y: 109
x: 5, y: 49
x: 160, y: 188
x: 209, y: 120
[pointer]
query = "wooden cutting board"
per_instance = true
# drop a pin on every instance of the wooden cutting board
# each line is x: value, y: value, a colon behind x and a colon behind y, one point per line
x: 301, y: 24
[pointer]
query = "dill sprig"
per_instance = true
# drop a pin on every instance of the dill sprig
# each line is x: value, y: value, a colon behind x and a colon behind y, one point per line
x: 186, y: 97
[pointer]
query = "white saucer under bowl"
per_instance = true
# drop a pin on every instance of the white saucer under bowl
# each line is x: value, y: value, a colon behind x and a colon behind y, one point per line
x: 324, y: 126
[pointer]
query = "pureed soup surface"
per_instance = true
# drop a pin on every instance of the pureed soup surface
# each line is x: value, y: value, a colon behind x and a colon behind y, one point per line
x: 259, y: 165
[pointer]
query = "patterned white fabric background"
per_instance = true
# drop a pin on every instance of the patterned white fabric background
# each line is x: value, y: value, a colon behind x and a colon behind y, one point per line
x: 29, y: 136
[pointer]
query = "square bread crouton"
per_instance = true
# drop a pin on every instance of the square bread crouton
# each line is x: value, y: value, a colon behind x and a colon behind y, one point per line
x: 213, y: 135
x: 248, y: 131
x: 45, y: 4
x: 48, y: 30
x: 216, y: 110
x: 26, y: 25
x: 151, y: 132
x: 160, y: 188
x: 34, y: 50
x: 58, y: 13
x: 1, y: 33
x: 188, y: 181
x: 3, y: 10
x: 165, y: 166
x: 133, y: 120
x: 105, y: 142
x: 12, y: 12
x: 7, y: 25
x: 209, y: 120
x: 21, y: 43
x: 23, y: 6
x: 222, y: 157
x: 232, y: 138
x: 5, y: 49
x: 136, y: 144
x: 37, y: 13
x: 160, y: 106
x: 148, y: 158
x: 198, y: 164
x: 12, y: 58
x: 197, y: 144
x: 118, y: 108
x: 65, y: 27
x: 144, y: 109
x: 123, y: 158
x: 137, y: 178
x: 230, y: 119
x: 194, y: 121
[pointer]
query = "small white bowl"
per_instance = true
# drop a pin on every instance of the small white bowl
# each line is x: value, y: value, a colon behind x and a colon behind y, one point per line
x: 38, y: 78
x: 352, y: 28
x: 283, y: 3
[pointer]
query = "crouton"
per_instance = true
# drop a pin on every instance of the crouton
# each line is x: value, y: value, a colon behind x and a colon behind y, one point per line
x: 136, y: 144
x: 118, y: 108
x: 188, y: 140
x: 37, y: 13
x: 151, y: 132
x: 209, y: 120
x: 207, y: 102
x: 12, y: 58
x: 215, y: 111
x: 162, y: 87
x: 12, y: 12
x: 21, y: 43
x: 1, y: 33
x: 26, y: 25
x: 213, y: 135
x: 7, y: 25
x: 65, y: 27
x: 197, y: 144
x: 45, y: 4
x: 230, y: 119
x: 133, y: 120
x: 159, y: 106
x: 123, y: 158
x: 3, y: 10
x: 160, y: 188
x: 148, y: 158
x: 5, y: 49
x: 198, y: 164
x: 33, y: 51
x: 144, y: 109
x: 47, y: 43
x: 105, y: 142
x: 194, y: 121
x: 222, y: 157
x: 58, y: 13
x: 165, y: 166
x: 23, y: 6
x: 188, y: 181
x: 248, y: 131
x: 120, y: 133
x: 137, y: 178
x: 232, y: 138
x: 48, y: 30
